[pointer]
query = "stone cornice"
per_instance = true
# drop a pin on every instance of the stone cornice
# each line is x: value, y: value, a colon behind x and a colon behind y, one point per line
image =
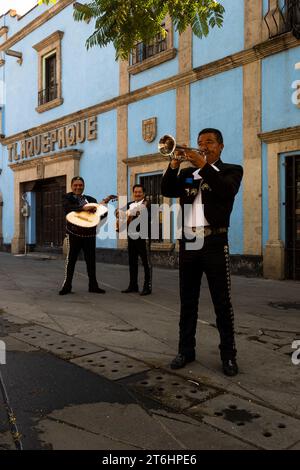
x: 280, y: 135
x: 46, y: 160
x: 153, y: 61
x: 257, y: 52
x: 144, y: 159
x: 3, y: 30
x: 55, y: 37
x: 36, y: 23
x: 49, y: 105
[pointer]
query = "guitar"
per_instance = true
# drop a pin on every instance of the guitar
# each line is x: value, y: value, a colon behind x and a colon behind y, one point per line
x: 90, y: 218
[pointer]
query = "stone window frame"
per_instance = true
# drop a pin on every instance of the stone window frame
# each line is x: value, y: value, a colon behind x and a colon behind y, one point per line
x: 49, y: 45
x: 159, y: 58
x: 146, y: 164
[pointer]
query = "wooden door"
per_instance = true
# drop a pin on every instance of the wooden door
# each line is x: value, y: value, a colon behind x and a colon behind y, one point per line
x: 293, y: 217
x: 50, y: 218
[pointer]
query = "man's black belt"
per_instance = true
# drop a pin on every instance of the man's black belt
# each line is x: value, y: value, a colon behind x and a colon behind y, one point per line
x: 206, y: 231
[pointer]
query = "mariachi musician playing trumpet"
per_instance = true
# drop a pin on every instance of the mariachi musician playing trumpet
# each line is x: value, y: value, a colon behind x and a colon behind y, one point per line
x: 207, y: 189
x: 83, y: 215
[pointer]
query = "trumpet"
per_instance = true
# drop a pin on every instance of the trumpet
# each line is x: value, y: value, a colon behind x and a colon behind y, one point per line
x: 167, y: 146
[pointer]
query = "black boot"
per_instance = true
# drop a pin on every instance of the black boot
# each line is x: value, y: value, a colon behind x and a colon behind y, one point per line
x: 147, y: 289
x: 65, y: 290
x: 96, y: 289
x: 129, y: 289
x: 230, y: 367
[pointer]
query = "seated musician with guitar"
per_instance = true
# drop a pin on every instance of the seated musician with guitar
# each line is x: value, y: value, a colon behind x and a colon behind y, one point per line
x: 81, y: 233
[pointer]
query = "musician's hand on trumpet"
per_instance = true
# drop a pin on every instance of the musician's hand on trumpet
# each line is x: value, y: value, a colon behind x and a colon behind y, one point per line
x: 176, y: 159
x: 168, y: 147
x: 197, y: 159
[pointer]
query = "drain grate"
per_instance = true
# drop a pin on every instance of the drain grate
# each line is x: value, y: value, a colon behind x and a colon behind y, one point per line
x: 111, y: 365
x: 57, y: 343
x: 8, y: 327
x: 174, y: 392
x: 254, y: 423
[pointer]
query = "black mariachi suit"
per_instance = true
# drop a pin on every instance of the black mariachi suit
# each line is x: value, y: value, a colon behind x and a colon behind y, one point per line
x: 138, y: 248
x: 218, y: 191
x: 76, y: 241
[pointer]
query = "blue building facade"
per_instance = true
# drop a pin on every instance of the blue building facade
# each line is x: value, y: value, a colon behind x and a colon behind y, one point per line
x: 68, y: 111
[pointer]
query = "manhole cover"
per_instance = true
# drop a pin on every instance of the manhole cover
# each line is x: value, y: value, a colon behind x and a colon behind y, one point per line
x: 172, y: 391
x: 111, y: 365
x: 57, y: 343
x: 255, y: 424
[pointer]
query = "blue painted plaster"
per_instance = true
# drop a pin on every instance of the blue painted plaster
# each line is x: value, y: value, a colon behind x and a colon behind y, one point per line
x: 278, y: 74
x: 218, y: 102
x: 222, y: 41
x: 164, y: 108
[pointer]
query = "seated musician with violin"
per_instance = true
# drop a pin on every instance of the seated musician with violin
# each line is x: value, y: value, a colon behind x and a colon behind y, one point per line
x: 78, y: 238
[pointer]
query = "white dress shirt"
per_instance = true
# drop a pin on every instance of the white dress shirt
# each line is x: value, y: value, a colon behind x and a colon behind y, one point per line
x: 134, y: 207
x: 194, y: 214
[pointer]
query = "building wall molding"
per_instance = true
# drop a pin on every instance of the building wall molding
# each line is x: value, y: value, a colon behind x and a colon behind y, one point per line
x: 49, y: 41
x: 47, y: 160
x: 157, y: 59
x: 35, y: 24
x: 256, y: 53
x: 3, y: 31
x: 280, y: 135
x: 144, y: 160
x: 50, y: 105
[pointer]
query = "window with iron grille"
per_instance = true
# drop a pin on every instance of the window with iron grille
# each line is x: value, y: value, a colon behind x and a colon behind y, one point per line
x: 49, y: 93
x: 143, y: 51
x: 281, y: 15
x: 152, y: 185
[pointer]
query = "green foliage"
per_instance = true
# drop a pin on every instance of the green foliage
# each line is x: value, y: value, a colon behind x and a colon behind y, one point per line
x: 47, y: 2
x: 126, y: 22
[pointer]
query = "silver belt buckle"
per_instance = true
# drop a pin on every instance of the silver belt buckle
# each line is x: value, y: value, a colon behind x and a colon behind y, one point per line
x: 199, y: 231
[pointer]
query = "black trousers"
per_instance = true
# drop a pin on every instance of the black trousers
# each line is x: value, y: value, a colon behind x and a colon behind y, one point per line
x: 75, y: 245
x: 213, y: 260
x: 138, y: 248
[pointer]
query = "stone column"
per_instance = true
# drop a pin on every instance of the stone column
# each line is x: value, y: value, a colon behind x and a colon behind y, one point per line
x: 183, y: 92
x: 122, y: 137
x: 252, y: 111
x: 274, y: 250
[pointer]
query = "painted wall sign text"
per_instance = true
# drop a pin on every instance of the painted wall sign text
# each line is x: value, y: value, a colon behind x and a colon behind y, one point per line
x: 61, y: 138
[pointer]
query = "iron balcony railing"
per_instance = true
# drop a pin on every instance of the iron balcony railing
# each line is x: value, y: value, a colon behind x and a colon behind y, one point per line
x: 280, y: 16
x: 143, y: 51
x: 48, y: 94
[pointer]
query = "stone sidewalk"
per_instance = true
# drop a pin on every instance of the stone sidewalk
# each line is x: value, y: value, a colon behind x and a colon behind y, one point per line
x: 129, y: 341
